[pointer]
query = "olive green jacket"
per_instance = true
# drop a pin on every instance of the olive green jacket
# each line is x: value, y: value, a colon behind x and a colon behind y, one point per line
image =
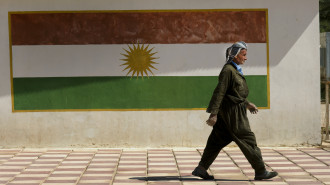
x: 232, y: 86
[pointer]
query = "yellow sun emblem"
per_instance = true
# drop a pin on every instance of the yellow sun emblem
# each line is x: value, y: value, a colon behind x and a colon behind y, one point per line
x: 139, y: 60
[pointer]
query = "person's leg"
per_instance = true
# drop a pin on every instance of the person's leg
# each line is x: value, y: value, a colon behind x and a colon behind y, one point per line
x: 246, y: 140
x: 238, y: 123
x: 218, y: 139
x: 248, y: 145
x: 244, y: 137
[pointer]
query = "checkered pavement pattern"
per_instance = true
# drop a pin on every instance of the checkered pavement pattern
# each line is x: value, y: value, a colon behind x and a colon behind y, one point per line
x: 296, y: 166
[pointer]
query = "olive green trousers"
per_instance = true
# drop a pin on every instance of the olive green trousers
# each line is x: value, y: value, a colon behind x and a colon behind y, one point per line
x: 221, y: 136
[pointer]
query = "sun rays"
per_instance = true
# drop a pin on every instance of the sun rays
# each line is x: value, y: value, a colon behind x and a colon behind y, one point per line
x: 139, y: 60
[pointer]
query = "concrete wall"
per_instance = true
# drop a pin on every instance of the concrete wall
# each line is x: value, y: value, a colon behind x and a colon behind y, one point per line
x: 293, y: 117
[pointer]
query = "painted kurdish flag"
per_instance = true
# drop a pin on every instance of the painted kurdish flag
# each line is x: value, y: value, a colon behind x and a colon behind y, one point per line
x: 131, y: 60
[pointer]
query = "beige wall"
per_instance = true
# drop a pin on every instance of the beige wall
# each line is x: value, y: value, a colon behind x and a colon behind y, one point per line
x: 293, y: 117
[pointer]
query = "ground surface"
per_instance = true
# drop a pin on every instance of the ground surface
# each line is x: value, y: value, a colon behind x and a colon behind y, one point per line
x: 296, y: 166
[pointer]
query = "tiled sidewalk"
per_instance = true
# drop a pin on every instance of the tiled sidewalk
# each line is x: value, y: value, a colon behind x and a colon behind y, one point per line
x: 296, y: 166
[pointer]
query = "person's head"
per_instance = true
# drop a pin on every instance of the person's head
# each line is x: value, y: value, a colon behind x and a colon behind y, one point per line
x: 237, y: 52
x: 240, y: 58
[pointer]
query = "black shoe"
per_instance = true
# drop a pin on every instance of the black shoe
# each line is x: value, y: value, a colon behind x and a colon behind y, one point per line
x: 202, y: 174
x: 266, y: 175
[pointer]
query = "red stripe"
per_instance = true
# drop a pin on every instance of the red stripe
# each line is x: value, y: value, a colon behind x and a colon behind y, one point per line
x: 145, y: 27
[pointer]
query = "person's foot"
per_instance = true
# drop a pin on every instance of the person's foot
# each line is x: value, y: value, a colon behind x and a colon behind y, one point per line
x: 265, y: 175
x: 202, y: 173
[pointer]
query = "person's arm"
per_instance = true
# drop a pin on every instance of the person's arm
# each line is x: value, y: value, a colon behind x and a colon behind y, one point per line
x: 218, y: 95
x: 252, y: 107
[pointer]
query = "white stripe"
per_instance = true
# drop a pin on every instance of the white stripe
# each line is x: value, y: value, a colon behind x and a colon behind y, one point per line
x: 104, y: 60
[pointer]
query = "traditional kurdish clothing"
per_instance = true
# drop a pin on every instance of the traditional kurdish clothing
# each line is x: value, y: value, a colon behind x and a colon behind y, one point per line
x: 229, y: 103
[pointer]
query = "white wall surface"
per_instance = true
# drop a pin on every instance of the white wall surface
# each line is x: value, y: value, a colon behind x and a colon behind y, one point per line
x: 293, y: 117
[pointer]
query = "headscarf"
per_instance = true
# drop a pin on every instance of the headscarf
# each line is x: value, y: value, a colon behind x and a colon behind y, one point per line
x: 233, y: 50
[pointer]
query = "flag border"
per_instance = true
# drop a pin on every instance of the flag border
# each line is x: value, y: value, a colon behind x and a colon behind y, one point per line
x: 128, y: 11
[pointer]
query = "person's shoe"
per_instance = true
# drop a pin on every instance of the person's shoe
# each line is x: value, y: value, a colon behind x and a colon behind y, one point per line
x: 266, y: 175
x: 199, y: 172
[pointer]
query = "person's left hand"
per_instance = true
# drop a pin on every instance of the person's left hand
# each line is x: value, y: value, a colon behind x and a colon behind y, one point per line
x: 212, y: 120
x: 252, y: 108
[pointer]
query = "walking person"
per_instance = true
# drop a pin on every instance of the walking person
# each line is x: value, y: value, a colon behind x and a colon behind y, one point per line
x: 228, y: 108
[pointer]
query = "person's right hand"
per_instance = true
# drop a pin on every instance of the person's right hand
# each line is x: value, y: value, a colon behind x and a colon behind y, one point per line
x: 212, y: 120
x: 252, y: 108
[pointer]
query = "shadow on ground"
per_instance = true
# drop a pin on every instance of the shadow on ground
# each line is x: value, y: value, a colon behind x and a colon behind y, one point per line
x: 183, y: 178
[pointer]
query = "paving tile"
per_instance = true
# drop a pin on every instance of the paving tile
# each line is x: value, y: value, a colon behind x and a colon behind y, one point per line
x: 232, y: 183
x: 129, y: 181
x: 125, y: 183
x: 199, y: 182
x: 93, y: 183
x: 65, y: 175
x: 158, y: 166
x: 164, y: 183
x: 49, y: 183
x: 20, y: 183
x: 304, y: 183
x: 60, y: 181
x: 230, y: 177
x: 97, y: 177
x: 269, y: 183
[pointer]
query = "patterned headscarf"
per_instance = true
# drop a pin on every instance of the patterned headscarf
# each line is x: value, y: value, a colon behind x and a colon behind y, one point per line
x: 233, y: 50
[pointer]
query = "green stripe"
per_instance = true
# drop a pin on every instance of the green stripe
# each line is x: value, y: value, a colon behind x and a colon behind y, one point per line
x: 124, y: 93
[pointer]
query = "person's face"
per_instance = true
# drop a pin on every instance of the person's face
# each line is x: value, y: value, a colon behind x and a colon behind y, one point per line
x: 241, y: 57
